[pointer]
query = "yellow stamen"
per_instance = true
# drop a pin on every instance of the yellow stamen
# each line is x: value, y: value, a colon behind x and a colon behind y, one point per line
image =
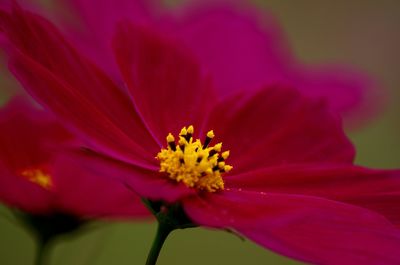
x: 218, y: 147
x: 183, y: 131
x: 38, y: 177
x: 170, y: 138
x: 225, y: 155
x: 196, y: 165
x: 210, y: 134
x: 227, y: 168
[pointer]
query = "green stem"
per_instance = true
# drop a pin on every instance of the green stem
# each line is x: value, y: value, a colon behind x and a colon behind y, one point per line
x: 41, y: 253
x: 162, y: 234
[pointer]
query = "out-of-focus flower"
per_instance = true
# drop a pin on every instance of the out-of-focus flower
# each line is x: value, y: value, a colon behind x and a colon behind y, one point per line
x: 293, y: 187
x: 53, y: 198
x: 33, y: 181
x: 241, y: 46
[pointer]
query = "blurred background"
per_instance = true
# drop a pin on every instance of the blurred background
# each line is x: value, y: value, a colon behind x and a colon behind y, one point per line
x: 363, y: 33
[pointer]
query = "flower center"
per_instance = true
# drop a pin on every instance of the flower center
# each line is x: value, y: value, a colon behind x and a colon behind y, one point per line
x: 195, y: 164
x: 38, y: 176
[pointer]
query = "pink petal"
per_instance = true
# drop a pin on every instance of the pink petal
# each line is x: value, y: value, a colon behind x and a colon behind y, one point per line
x: 75, y: 89
x: 93, y: 27
x: 277, y: 126
x: 167, y: 85
x: 28, y: 135
x: 146, y: 183
x: 245, y: 48
x: 354, y: 94
x: 242, y: 48
x: 307, y: 228
x: 378, y: 190
x: 87, y: 193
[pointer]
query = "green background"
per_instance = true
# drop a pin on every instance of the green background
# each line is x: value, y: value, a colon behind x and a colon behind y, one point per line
x: 363, y: 33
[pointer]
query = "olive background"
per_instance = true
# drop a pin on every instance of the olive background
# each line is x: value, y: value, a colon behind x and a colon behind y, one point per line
x: 363, y: 33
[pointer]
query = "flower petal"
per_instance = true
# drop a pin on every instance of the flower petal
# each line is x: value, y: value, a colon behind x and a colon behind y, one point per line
x: 245, y: 48
x: 166, y: 84
x: 75, y: 89
x: 94, y: 21
x: 307, y: 228
x: 277, y: 126
x: 352, y: 93
x: 147, y: 183
x: 378, y: 190
x: 87, y: 193
x: 28, y: 135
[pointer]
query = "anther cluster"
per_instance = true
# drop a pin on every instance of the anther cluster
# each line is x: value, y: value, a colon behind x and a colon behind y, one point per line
x: 196, y: 164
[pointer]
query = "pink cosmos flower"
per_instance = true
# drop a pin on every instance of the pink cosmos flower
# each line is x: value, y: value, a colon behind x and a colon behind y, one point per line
x: 34, y: 181
x: 242, y: 48
x: 293, y: 187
